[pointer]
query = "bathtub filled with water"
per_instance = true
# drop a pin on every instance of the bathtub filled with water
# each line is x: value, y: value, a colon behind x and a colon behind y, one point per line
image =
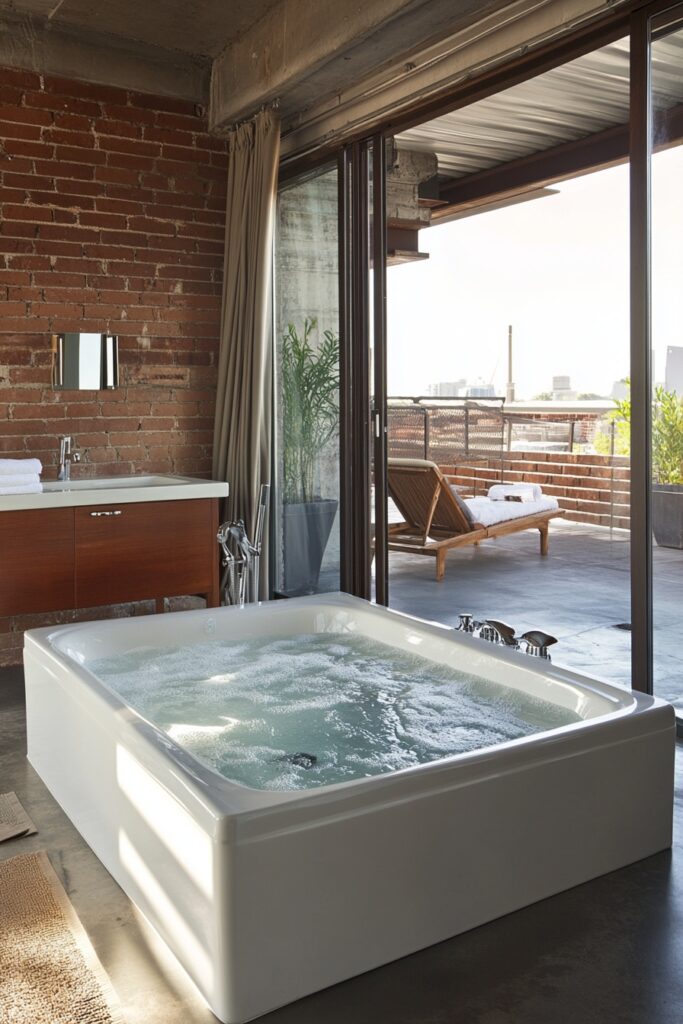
x: 330, y: 769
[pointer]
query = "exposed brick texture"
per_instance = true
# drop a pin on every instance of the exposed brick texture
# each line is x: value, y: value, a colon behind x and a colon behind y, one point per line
x: 112, y: 209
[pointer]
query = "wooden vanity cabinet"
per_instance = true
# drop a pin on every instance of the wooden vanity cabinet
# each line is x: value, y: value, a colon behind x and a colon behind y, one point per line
x: 144, y: 550
x: 79, y: 557
x: 36, y: 561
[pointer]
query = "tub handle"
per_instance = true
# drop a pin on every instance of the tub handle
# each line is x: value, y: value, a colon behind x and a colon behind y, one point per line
x: 115, y: 512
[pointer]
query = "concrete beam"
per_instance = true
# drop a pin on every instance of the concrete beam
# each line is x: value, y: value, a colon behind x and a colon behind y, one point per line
x: 36, y: 44
x: 406, y: 170
x: 299, y: 51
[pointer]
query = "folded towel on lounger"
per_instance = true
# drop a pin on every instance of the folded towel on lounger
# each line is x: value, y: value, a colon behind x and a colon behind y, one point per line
x: 515, y: 492
x: 21, y: 489
x: 10, y: 467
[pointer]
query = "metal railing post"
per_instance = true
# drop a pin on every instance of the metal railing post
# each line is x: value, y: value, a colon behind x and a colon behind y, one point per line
x: 426, y: 432
x: 612, y: 428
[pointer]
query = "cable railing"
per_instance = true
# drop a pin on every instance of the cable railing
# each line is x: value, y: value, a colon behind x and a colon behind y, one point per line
x: 420, y: 428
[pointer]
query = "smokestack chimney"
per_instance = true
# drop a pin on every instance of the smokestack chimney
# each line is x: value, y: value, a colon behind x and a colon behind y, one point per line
x: 510, y: 387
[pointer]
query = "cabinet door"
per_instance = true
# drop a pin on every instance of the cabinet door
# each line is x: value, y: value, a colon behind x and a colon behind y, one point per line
x: 36, y: 560
x: 145, y: 550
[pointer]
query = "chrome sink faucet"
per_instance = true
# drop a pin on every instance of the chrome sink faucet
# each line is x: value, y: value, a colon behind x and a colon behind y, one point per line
x: 67, y: 455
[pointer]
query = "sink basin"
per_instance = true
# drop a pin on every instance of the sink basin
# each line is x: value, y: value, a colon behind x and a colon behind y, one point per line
x: 114, y: 482
x: 114, y: 490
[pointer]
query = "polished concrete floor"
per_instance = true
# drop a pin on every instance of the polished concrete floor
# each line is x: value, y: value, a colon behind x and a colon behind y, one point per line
x: 608, y: 952
x: 580, y: 593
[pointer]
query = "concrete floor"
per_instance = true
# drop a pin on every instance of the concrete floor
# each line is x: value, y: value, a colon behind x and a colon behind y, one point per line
x: 579, y: 593
x: 608, y: 952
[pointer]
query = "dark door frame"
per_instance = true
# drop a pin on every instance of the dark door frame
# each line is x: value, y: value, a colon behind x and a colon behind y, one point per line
x: 362, y: 263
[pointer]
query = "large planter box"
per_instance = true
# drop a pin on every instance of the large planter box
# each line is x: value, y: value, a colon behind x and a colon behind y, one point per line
x: 667, y: 515
x: 306, y: 531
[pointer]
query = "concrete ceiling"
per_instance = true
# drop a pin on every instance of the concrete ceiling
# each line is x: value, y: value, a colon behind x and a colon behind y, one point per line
x: 201, y: 28
x: 571, y: 102
x: 233, y: 54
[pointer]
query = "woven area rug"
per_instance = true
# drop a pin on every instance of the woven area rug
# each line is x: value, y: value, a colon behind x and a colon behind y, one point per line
x: 14, y: 821
x: 49, y: 973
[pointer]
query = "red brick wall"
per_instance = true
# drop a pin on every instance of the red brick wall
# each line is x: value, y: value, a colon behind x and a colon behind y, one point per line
x: 112, y: 208
x: 111, y: 219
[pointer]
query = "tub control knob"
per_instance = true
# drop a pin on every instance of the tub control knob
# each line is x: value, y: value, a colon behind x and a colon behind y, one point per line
x: 538, y: 642
x: 506, y: 634
x: 465, y: 623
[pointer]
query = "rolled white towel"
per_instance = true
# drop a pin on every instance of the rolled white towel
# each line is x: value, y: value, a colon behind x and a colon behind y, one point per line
x: 10, y: 467
x: 21, y: 489
x: 523, y: 492
x: 19, y: 479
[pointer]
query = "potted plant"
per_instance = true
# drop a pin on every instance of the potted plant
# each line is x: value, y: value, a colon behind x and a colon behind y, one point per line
x: 310, y: 424
x: 667, y: 464
x: 667, y: 469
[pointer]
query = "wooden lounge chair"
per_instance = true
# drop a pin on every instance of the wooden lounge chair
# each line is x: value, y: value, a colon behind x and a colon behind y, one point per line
x: 436, y: 519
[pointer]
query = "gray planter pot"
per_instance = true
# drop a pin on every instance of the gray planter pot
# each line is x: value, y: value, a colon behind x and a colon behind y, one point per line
x: 667, y: 515
x: 306, y: 531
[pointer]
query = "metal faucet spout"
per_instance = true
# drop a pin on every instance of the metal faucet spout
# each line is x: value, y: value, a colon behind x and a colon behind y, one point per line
x: 67, y: 455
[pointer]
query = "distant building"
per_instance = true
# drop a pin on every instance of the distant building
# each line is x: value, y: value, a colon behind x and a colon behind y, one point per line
x: 673, y: 378
x: 619, y: 390
x: 562, y: 389
x: 447, y: 388
x: 481, y: 391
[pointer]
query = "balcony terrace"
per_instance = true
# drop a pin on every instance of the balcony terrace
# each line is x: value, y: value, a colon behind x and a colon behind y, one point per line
x: 581, y: 592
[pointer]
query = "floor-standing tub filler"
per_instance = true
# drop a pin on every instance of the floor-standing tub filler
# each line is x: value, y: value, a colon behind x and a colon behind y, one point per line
x: 297, y: 792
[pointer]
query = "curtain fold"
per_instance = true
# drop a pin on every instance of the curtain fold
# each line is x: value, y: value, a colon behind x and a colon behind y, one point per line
x: 242, y: 430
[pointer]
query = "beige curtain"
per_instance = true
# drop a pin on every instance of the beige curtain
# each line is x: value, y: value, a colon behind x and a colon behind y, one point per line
x: 241, y: 446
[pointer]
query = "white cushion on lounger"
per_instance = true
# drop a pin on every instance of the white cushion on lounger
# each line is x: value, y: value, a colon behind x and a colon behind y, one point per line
x: 489, y: 513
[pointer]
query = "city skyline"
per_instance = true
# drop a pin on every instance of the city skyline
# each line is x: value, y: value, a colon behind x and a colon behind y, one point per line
x: 557, y: 270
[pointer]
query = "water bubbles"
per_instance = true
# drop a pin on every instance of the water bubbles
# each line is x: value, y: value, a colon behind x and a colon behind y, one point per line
x: 254, y: 709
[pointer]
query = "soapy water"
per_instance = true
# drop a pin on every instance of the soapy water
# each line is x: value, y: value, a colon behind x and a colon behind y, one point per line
x: 311, y: 710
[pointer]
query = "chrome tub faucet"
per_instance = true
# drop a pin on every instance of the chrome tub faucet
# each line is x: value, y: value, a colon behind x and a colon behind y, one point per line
x: 67, y: 455
x: 534, y: 642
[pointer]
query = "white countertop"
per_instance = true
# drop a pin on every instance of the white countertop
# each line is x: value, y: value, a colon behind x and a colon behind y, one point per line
x: 114, y: 490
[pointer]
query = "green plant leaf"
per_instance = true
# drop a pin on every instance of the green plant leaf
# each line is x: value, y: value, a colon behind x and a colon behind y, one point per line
x: 310, y: 399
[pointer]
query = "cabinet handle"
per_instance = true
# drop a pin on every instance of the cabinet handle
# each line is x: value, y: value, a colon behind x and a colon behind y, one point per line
x: 116, y: 512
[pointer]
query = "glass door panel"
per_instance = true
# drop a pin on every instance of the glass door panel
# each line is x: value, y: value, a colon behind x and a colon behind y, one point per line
x: 667, y: 354
x: 508, y: 360
x: 307, y: 377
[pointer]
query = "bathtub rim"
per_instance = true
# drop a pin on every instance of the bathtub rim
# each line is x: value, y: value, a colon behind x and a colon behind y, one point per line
x: 249, y: 813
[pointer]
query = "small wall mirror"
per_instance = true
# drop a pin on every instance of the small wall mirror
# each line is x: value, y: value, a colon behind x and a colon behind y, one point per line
x: 85, y: 362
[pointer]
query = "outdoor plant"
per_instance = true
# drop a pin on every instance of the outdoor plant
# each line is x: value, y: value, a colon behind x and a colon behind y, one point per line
x: 667, y: 433
x: 667, y: 437
x: 310, y: 396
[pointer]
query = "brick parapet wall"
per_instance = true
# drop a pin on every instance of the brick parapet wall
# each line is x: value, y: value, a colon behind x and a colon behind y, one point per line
x: 112, y: 211
x: 594, y: 489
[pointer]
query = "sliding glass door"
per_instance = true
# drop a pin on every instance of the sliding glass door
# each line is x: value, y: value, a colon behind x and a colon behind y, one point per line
x: 666, y: 305
x: 307, y: 383
x: 508, y: 356
x: 329, y: 378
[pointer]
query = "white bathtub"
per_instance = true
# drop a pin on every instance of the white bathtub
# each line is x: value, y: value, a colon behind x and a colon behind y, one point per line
x: 265, y: 897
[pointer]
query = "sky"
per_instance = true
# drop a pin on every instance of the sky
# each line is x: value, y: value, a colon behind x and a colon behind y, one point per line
x: 557, y: 270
